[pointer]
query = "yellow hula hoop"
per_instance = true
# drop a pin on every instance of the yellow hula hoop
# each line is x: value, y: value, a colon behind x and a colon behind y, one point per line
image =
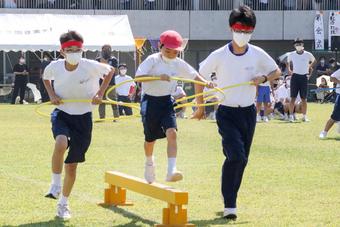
x: 143, y: 79
x: 39, y: 112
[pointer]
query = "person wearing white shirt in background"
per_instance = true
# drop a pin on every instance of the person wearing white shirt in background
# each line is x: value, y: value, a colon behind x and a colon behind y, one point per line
x: 238, y: 62
x: 124, y: 91
x: 335, y: 117
x: 158, y: 115
x: 179, y: 93
x: 303, y: 63
x: 74, y: 78
x: 263, y: 99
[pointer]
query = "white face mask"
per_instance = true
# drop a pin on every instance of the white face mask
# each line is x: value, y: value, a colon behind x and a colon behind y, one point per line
x: 73, y: 58
x: 123, y: 71
x: 167, y: 60
x: 241, y: 38
x: 299, y: 48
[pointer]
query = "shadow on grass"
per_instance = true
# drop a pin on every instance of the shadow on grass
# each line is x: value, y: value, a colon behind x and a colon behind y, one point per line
x: 134, y: 218
x: 56, y: 222
x: 219, y: 220
x: 332, y: 138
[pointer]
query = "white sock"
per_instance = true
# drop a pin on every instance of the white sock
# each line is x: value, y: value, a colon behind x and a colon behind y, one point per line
x: 230, y: 211
x: 56, y: 179
x: 150, y: 160
x: 171, y: 165
x: 63, y: 200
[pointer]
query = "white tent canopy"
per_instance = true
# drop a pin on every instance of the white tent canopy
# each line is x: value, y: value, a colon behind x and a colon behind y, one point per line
x: 31, y: 32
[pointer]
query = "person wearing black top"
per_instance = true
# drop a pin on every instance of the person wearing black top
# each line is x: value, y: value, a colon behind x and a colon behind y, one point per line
x: 45, y: 62
x: 20, y: 71
x: 108, y: 59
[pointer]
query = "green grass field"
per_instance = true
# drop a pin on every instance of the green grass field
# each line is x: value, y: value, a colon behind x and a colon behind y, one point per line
x: 292, y: 179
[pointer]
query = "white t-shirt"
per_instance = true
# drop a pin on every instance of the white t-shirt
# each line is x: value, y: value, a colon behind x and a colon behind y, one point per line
x: 232, y: 69
x: 124, y: 88
x: 336, y: 75
x: 300, y: 62
x: 82, y: 83
x: 154, y: 65
x: 282, y: 93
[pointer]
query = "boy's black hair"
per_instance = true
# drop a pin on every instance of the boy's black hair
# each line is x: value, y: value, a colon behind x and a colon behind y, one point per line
x: 298, y: 41
x: 244, y: 15
x: 70, y: 35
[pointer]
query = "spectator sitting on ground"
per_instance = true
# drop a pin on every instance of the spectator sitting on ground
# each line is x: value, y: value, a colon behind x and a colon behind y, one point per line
x: 322, y: 68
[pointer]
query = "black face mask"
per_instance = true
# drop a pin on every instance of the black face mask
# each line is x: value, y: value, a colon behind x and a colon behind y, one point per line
x: 106, y: 54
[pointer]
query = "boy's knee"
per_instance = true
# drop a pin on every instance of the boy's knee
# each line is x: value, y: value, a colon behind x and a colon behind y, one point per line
x: 71, y: 169
x: 61, y: 143
x: 171, y: 134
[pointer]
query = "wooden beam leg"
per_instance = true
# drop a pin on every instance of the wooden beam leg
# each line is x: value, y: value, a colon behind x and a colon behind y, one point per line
x: 116, y: 196
x: 175, y: 215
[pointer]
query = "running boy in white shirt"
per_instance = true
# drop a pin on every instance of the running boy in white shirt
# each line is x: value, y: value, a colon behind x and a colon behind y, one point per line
x: 74, y: 78
x: 335, y: 117
x: 157, y: 109
x: 238, y: 62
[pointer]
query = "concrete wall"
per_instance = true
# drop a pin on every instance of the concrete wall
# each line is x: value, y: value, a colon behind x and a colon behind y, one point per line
x: 207, y: 25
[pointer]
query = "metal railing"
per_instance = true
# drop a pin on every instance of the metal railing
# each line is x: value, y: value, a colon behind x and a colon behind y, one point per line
x: 173, y: 4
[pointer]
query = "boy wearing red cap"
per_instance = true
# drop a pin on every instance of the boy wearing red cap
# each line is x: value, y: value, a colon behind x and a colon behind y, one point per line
x: 158, y: 115
x: 74, y: 78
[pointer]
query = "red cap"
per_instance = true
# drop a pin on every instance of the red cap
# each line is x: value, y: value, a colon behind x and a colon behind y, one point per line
x: 171, y: 39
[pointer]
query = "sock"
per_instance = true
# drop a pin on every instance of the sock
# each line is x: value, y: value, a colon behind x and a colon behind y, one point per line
x: 56, y: 179
x: 230, y: 211
x: 171, y: 165
x: 150, y: 160
x: 63, y: 200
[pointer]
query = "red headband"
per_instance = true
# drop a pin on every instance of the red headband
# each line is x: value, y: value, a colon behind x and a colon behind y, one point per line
x: 239, y: 26
x: 72, y: 43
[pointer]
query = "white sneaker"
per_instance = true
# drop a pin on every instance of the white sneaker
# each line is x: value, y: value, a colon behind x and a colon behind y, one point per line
x: 63, y: 211
x: 54, y: 192
x: 305, y: 119
x: 323, y: 135
x: 149, y: 173
x: 230, y: 213
x: 258, y: 118
x: 175, y: 176
x: 265, y: 119
x: 286, y: 118
x: 291, y: 118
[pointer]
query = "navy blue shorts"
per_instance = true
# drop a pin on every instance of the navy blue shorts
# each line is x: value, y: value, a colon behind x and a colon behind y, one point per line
x: 298, y: 84
x: 78, y: 130
x: 158, y: 115
x: 336, y: 111
x: 263, y: 94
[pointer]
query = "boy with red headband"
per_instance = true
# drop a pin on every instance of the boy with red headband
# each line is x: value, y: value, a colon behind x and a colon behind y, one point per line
x: 238, y: 62
x: 158, y: 115
x: 74, y: 78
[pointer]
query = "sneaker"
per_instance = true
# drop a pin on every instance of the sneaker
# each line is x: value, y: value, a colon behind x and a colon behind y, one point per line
x: 323, y: 135
x: 305, y: 119
x: 265, y: 119
x: 175, y: 176
x: 54, y: 192
x: 291, y: 118
x: 230, y: 214
x: 149, y: 173
x: 286, y: 118
x: 258, y: 118
x: 63, y: 211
